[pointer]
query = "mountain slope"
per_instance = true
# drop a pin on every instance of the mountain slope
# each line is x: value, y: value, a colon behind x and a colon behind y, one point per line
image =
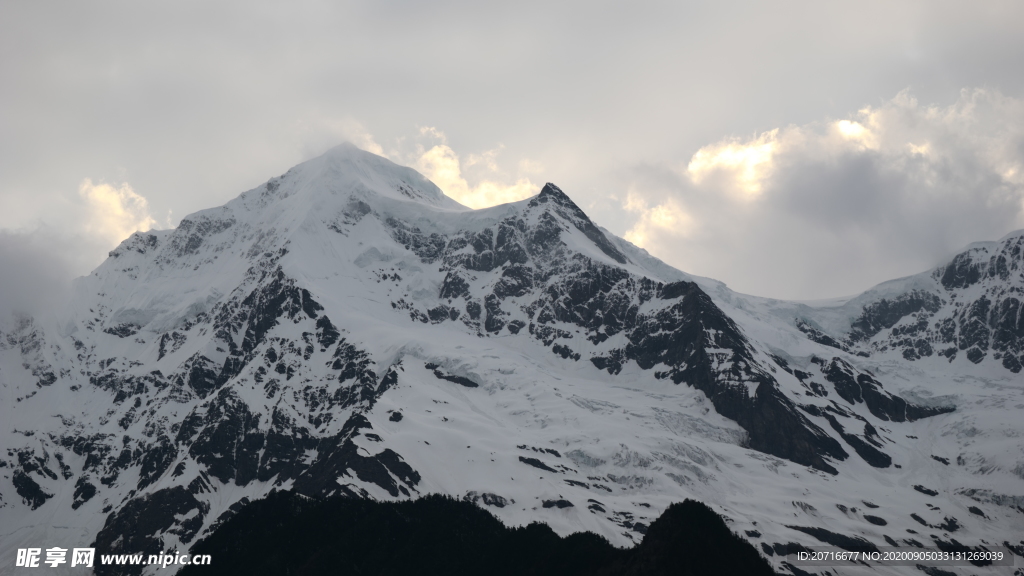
x: 970, y: 307
x: 346, y: 329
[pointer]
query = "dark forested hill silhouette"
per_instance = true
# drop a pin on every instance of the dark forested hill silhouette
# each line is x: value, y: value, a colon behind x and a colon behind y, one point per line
x: 290, y: 534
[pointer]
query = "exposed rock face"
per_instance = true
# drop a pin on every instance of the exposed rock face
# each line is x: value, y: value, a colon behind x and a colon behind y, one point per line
x: 884, y: 313
x: 702, y: 347
x: 137, y: 526
x: 856, y: 387
x: 969, y: 308
x: 340, y: 457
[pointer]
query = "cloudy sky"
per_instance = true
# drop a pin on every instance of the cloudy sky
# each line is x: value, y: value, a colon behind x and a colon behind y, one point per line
x: 791, y: 149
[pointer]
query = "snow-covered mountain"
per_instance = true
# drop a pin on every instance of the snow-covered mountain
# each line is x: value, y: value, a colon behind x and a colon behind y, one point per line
x: 346, y: 328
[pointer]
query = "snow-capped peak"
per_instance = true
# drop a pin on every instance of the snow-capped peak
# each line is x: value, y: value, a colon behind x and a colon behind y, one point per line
x: 345, y: 328
x: 347, y: 169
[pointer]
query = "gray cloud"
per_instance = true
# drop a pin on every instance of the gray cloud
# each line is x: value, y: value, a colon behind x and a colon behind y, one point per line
x: 37, y: 271
x: 828, y: 208
x: 193, y: 102
x: 70, y: 237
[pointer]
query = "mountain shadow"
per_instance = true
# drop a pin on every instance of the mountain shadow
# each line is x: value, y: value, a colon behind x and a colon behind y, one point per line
x: 287, y: 533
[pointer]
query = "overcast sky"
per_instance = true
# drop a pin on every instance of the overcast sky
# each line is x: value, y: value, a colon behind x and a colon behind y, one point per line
x: 791, y: 149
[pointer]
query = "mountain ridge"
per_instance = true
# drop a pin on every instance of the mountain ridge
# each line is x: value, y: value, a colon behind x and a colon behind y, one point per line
x: 355, y: 334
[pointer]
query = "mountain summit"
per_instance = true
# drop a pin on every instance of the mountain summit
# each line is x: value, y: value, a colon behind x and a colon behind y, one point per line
x: 346, y: 329
x: 345, y: 170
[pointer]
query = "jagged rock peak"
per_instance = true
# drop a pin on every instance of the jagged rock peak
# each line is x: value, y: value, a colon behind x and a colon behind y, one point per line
x: 556, y: 194
x: 574, y: 213
x: 1002, y: 260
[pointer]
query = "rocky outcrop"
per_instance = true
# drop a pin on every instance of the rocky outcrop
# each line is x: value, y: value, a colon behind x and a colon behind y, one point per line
x: 339, y: 457
x: 858, y: 387
x: 974, y: 312
x: 137, y: 526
